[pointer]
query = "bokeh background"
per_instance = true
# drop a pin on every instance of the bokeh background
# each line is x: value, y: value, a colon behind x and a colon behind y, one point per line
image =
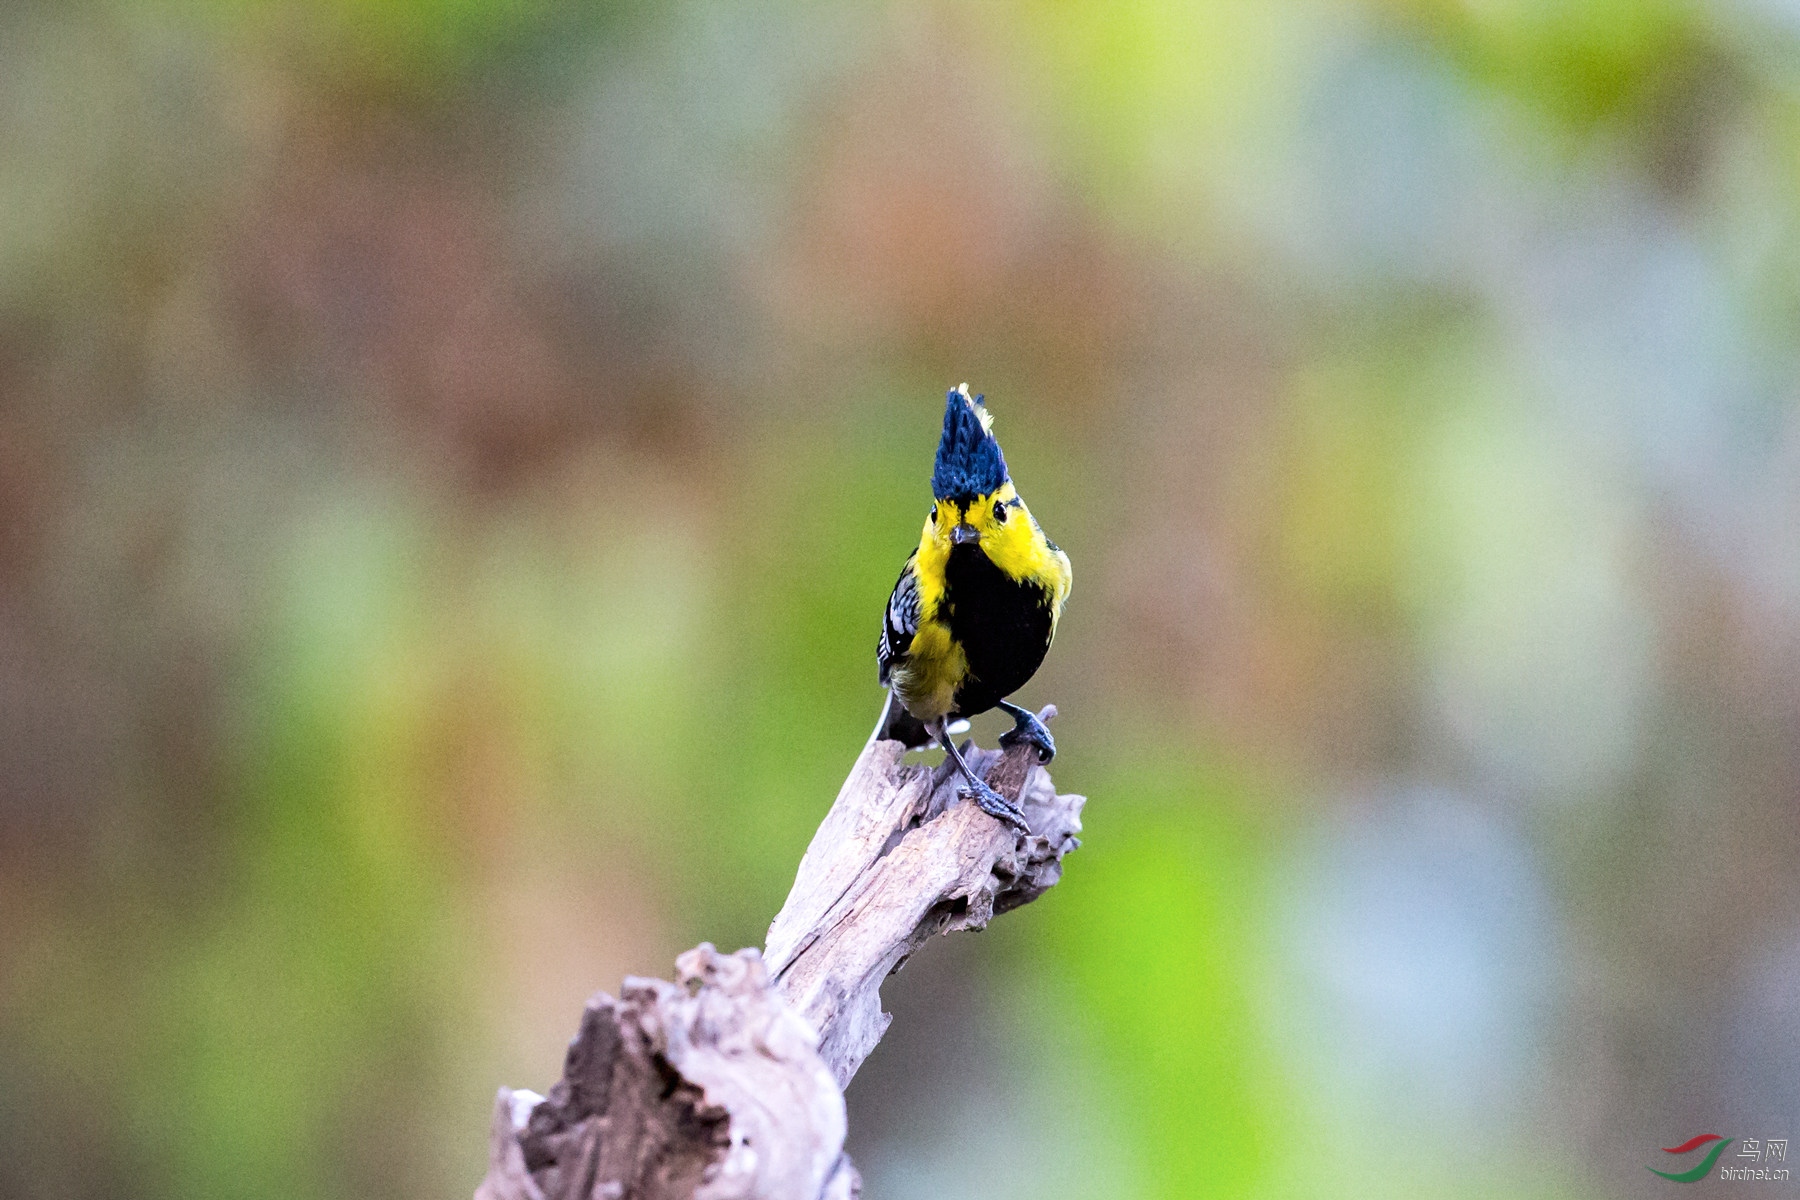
x: 453, y: 455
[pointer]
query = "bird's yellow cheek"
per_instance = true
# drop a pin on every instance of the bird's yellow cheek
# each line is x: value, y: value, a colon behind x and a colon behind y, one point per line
x: 1014, y: 550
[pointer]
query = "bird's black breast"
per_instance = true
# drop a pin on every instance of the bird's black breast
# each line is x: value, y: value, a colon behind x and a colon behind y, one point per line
x: 1002, y: 624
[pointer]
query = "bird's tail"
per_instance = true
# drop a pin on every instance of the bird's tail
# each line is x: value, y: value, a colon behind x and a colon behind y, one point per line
x: 898, y: 725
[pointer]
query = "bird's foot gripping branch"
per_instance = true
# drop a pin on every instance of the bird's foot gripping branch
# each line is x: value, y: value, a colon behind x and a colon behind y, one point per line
x: 727, y: 1084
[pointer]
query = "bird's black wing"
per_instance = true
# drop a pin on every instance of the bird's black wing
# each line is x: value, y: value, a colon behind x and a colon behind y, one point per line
x: 900, y: 621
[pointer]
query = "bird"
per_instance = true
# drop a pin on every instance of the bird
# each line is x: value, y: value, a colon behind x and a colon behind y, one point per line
x: 976, y: 605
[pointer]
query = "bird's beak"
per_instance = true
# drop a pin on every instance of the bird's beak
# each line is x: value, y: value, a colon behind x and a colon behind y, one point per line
x: 964, y: 534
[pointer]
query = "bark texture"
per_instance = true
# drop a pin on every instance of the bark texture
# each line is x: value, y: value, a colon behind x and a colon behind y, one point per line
x: 728, y: 1083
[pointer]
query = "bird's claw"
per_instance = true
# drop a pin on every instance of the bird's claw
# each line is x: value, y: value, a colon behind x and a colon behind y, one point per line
x: 1028, y: 729
x: 995, y: 805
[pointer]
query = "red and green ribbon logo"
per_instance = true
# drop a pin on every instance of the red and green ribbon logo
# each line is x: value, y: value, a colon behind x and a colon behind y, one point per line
x: 1706, y: 1164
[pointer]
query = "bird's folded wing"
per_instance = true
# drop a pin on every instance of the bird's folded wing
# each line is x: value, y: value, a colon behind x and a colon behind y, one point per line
x: 901, y: 620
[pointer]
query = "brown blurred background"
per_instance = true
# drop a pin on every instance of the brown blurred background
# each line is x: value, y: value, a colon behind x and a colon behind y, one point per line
x: 453, y: 455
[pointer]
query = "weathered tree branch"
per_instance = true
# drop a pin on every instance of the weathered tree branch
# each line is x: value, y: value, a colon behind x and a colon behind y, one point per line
x: 727, y: 1084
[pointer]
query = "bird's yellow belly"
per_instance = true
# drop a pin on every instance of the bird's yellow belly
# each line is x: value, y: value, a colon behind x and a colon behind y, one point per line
x: 927, y: 680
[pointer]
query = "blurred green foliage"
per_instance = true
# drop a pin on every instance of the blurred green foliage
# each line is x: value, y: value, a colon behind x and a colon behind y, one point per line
x: 1162, y: 935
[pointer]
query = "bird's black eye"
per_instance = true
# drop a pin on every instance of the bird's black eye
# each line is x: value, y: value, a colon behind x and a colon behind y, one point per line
x: 1000, y: 512
x: 934, y: 514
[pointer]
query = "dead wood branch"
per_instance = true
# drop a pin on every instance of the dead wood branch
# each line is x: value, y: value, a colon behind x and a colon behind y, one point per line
x: 727, y: 1084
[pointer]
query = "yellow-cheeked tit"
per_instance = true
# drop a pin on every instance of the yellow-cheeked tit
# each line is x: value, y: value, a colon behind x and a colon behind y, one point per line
x: 977, y: 603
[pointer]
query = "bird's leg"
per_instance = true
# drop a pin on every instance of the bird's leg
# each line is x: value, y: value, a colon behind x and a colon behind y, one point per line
x: 1028, y: 729
x: 992, y: 803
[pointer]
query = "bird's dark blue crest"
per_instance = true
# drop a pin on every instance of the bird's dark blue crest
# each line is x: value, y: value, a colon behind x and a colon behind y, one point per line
x: 969, y: 462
